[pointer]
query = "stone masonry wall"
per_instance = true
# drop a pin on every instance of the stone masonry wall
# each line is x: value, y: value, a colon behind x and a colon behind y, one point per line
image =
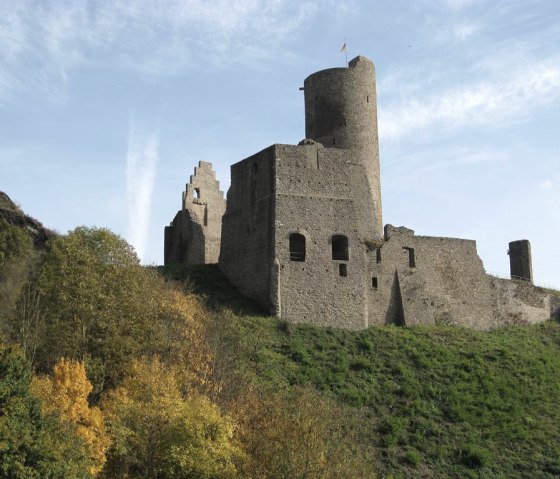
x: 194, y: 235
x: 317, y: 193
x: 247, y: 256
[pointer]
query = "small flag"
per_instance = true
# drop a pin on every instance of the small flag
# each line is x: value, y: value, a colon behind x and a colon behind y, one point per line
x: 343, y: 49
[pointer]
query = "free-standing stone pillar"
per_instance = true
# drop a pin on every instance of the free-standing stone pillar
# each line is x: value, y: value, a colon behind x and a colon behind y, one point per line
x: 520, y: 262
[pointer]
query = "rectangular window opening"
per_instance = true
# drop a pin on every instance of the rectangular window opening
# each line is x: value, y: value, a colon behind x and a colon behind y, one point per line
x: 342, y: 270
x: 374, y: 282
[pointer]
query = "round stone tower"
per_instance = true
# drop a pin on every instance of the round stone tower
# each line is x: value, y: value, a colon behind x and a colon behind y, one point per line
x: 341, y: 112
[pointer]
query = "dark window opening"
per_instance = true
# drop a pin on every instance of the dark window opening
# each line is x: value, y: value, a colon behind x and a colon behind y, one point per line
x: 255, y: 168
x: 374, y: 282
x: 342, y: 270
x: 297, y: 247
x: 196, y: 193
x: 340, y: 247
x: 334, y: 141
x: 411, y: 259
x: 367, y: 99
x: 378, y: 255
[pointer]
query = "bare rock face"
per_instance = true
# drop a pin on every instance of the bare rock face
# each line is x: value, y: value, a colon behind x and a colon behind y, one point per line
x: 12, y: 214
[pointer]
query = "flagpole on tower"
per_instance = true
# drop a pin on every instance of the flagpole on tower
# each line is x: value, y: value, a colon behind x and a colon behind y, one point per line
x: 345, y: 50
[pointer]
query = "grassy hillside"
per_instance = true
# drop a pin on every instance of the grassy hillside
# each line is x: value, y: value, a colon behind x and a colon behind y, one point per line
x: 433, y: 401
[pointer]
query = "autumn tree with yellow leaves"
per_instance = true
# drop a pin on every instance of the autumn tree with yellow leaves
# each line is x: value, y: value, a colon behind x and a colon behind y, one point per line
x: 158, y: 432
x: 65, y: 395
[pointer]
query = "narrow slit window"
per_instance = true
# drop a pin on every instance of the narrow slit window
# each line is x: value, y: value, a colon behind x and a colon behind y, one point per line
x: 339, y: 248
x: 374, y: 282
x: 342, y: 270
x: 378, y: 255
x: 297, y: 247
x: 411, y: 258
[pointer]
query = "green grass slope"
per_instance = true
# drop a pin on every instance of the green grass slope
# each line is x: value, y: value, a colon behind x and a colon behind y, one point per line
x: 433, y: 401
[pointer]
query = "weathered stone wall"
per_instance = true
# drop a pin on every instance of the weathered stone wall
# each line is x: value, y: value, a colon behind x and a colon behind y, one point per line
x: 194, y: 235
x: 519, y: 303
x: 441, y: 280
x: 318, y: 193
x: 247, y: 248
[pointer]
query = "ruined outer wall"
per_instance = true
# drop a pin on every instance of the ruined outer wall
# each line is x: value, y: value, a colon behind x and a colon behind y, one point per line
x: 446, y: 284
x: 520, y: 303
x: 315, y: 188
x: 341, y: 111
x: 246, y: 255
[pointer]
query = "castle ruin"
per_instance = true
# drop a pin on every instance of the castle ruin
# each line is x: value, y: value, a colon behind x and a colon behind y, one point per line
x: 193, y: 237
x: 302, y: 233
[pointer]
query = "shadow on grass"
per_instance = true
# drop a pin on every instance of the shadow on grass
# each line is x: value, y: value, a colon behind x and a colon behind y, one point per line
x: 208, y: 281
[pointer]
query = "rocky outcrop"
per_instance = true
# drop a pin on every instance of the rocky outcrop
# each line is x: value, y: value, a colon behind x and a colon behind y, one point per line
x: 12, y: 214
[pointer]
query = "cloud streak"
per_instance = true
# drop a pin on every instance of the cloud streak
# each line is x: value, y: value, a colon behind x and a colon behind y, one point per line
x: 499, y: 100
x: 142, y: 158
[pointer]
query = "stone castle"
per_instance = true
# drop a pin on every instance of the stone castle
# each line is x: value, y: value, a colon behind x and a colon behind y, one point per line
x: 301, y: 232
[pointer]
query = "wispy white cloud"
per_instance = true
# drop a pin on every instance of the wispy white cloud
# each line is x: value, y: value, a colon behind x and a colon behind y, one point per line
x: 141, y: 162
x: 458, y: 4
x: 505, y: 98
x: 155, y: 37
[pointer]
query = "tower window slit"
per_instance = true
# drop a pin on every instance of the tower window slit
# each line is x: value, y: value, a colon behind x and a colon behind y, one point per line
x: 339, y: 248
x: 297, y: 247
x: 411, y: 258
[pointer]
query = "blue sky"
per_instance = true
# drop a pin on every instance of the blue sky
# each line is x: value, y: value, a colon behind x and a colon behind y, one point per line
x: 107, y: 106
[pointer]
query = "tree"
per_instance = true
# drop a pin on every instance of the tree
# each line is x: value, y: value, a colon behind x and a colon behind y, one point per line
x: 297, y: 433
x: 101, y: 307
x: 183, y: 323
x: 32, y: 446
x: 65, y: 395
x: 19, y: 303
x: 14, y: 242
x: 158, y: 433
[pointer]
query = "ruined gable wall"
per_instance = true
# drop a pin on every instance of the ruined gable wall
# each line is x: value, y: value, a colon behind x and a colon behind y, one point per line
x: 193, y: 237
x: 246, y: 253
x: 205, y: 205
x: 315, y: 196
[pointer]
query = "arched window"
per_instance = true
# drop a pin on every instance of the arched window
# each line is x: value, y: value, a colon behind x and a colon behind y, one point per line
x: 297, y: 247
x: 340, y: 247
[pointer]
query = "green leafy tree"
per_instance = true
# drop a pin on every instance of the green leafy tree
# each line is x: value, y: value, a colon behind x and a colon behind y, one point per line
x: 14, y: 242
x: 32, y: 446
x: 101, y: 306
x: 158, y: 433
x: 19, y: 305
